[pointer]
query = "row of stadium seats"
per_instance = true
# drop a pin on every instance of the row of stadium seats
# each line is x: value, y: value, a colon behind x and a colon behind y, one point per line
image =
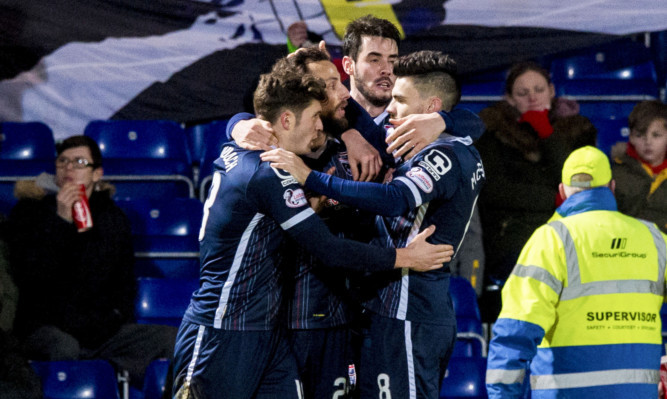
x: 607, y: 80
x: 163, y: 301
x: 97, y: 379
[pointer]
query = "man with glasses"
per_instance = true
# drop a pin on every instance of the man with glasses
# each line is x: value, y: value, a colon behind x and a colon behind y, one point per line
x: 77, y: 289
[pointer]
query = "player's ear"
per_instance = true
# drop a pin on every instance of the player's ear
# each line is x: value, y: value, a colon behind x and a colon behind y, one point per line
x: 348, y: 65
x: 287, y: 119
x: 434, y: 104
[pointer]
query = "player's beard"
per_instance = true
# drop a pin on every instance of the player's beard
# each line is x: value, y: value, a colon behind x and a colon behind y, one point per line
x: 369, y: 95
x: 334, y: 127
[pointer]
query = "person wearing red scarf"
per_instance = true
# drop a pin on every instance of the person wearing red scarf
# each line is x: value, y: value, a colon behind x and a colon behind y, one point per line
x: 641, y: 172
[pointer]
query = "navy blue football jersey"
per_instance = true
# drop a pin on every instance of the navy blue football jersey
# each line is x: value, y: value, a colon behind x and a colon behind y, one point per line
x: 438, y: 186
x: 250, y: 207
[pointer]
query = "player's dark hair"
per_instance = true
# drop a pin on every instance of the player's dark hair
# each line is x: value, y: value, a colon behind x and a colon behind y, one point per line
x: 519, y: 69
x: 644, y: 113
x: 367, y: 26
x: 305, y: 56
x: 286, y: 88
x: 433, y: 73
x: 82, y: 141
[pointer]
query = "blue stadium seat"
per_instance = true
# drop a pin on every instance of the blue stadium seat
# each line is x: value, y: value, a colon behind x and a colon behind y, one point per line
x: 155, y: 379
x: 482, y: 90
x: 607, y: 80
x: 610, y: 131
x: 77, y: 379
x: 147, y: 158
x: 163, y: 300
x: 213, y: 137
x: 26, y: 150
x: 165, y: 236
x: 470, y: 341
x: 465, y: 378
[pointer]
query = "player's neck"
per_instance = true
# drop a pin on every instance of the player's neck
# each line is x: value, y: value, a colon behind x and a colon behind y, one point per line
x: 373, y: 110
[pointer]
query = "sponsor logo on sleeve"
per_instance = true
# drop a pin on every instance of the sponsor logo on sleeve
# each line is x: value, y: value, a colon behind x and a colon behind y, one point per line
x: 295, y: 198
x: 436, y: 163
x: 285, y: 178
x: 421, y: 179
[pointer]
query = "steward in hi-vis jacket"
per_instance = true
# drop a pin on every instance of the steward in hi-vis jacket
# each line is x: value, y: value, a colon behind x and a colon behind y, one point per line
x: 582, y: 306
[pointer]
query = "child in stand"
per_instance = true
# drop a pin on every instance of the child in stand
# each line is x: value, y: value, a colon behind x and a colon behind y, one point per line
x: 641, y: 172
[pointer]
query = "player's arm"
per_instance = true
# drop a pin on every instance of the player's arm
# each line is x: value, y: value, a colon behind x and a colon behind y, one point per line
x: 414, y: 132
x: 286, y: 203
x: 251, y: 133
x: 393, y: 199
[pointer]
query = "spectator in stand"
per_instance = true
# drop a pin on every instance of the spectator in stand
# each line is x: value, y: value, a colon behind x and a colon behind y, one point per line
x: 77, y: 289
x: 529, y: 134
x: 641, y: 171
x: 17, y: 379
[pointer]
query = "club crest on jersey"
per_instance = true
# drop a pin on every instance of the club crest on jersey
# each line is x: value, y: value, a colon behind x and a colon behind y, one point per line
x: 421, y: 179
x: 436, y: 163
x: 285, y: 178
x: 295, y: 198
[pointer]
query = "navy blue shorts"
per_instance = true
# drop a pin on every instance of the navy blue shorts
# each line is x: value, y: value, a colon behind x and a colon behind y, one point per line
x: 211, y: 363
x: 323, y: 356
x: 404, y: 360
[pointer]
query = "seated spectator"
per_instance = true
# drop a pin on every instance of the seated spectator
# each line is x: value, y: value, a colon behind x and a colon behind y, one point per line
x: 641, y: 171
x: 17, y: 378
x: 77, y: 289
x: 529, y: 135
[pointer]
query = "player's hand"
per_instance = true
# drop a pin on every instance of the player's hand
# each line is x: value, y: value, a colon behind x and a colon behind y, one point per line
x: 67, y: 196
x: 254, y: 134
x: 414, y: 132
x: 421, y: 256
x: 364, y: 159
x: 288, y: 161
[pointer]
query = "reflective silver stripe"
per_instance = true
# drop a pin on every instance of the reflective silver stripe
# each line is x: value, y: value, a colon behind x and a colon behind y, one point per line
x: 611, y: 287
x: 500, y: 376
x: 575, y: 289
x: 661, y: 246
x: 413, y: 189
x: 595, y: 378
x: 571, y: 258
x: 539, y: 274
x: 412, y: 383
x: 195, y: 357
x: 402, y: 310
x: 298, y: 218
x: 236, y: 265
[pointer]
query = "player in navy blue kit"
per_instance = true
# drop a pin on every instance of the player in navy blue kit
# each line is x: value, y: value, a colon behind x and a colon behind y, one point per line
x: 231, y: 343
x: 412, y: 323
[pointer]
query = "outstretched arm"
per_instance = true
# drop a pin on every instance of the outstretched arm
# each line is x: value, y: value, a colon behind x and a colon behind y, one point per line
x: 382, y: 199
x: 416, y: 131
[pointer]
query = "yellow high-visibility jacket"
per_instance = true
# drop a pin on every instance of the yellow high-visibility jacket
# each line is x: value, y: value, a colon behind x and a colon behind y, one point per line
x: 582, y: 307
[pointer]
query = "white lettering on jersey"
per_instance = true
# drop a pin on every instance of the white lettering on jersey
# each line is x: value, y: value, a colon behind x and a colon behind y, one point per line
x: 295, y: 198
x: 477, y: 175
x: 229, y: 157
x: 421, y: 179
x: 285, y: 178
x: 436, y: 163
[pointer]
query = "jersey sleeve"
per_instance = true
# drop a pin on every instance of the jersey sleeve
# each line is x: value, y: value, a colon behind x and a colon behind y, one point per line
x: 279, y: 195
x: 462, y: 122
x: 433, y: 173
x: 241, y: 116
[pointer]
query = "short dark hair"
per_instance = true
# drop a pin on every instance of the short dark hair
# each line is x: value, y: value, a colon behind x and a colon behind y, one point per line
x: 300, y: 59
x: 433, y: 73
x: 519, y: 69
x: 82, y: 141
x: 368, y: 25
x: 644, y: 113
x: 286, y: 88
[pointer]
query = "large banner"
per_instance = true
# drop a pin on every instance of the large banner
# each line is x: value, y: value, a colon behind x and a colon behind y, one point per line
x: 71, y: 61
